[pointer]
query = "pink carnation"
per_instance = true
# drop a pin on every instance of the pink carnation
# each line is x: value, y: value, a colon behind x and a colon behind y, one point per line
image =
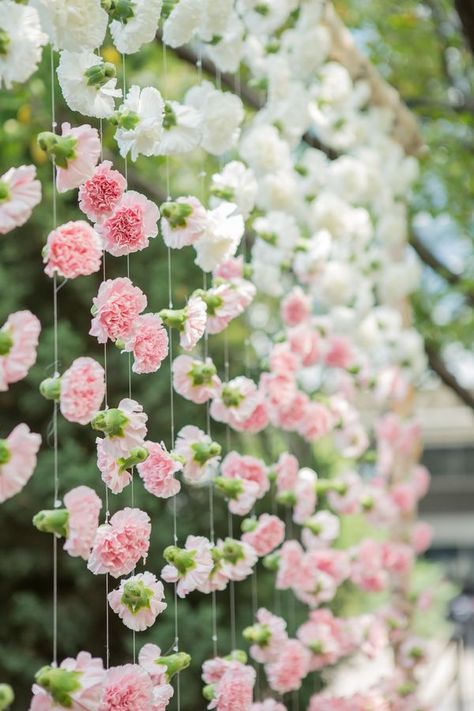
x: 17, y: 460
x: 158, y: 470
x: 238, y: 558
x: 138, y: 601
x: 398, y: 558
x: 282, y: 359
x: 148, y: 659
x: 83, y: 506
x: 132, y: 224
x: 113, y: 475
x: 421, y: 481
x: 148, y: 342
x: 286, y: 470
x: 368, y: 571
x: 225, y: 302
x: 199, y: 569
x: 127, y: 688
x: 190, y: 228
x: 290, y: 565
x: 238, y: 466
x: 255, y: 422
x: 119, y: 544
x: 268, y: 534
x: 320, y: 530
x: 421, y: 536
x: 116, y: 307
x: 232, y: 268
x: 195, y: 323
x: 201, y: 455
x: 271, y: 630
x: 235, y: 401
x: 88, y: 672
x: 81, y: 166
x: 268, y: 705
x: 102, y: 192
x: 194, y: 379
x: 326, y: 637
x: 20, y: 192
x: 290, y: 668
x: 133, y: 428
x: 82, y: 390
x: 295, y: 307
x: 306, y: 343
x: 316, y: 423
x: 347, y: 499
x: 339, y: 352
x: 72, y: 250
x: 234, y: 691
x: 21, y: 330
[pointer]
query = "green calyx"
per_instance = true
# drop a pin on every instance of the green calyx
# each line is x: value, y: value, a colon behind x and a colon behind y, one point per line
x: 4, y: 191
x: 182, y: 559
x: 60, y: 683
x: 269, y: 237
x: 204, y: 451
x: 230, y: 488
x: 5, y: 453
x: 61, y: 149
x: 262, y: 9
x: 126, y: 119
x: 223, y: 193
x: 232, y: 551
x: 136, y: 456
x: 248, y: 525
x: 258, y: 634
x: 272, y: 561
x: 286, y: 498
x: 212, y: 301
x: 4, y: 42
x: 313, y: 526
x: 202, y: 373
x: 237, y: 655
x: 231, y: 397
x: 209, y: 692
x: 53, y: 521
x: 174, y: 663
x: 167, y: 8
x: 51, y: 388
x: 100, y: 74
x: 169, y: 117
x: 325, y: 485
x: 7, y: 696
x: 176, y: 213
x: 317, y: 647
x: 173, y: 318
x: 121, y: 10
x: 111, y: 422
x: 136, y: 596
x: 6, y: 342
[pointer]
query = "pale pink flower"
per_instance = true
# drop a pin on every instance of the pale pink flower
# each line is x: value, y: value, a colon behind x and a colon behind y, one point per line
x: 17, y: 460
x: 282, y: 359
x: 316, y: 587
x: 127, y: 688
x: 347, y: 498
x: 286, y: 470
x: 194, y: 325
x: 234, y: 691
x: 256, y: 421
x: 162, y: 695
x: 421, y: 481
x: 119, y: 544
x: 238, y: 466
x: 86, y: 153
x: 20, y: 192
x: 243, y: 500
x: 268, y: 533
x: 125, y: 426
x: 290, y: 668
x: 18, y: 341
x: 193, y: 566
x: 339, y: 352
x: 158, y: 470
x: 115, y: 308
x: 201, y: 455
x: 227, y: 301
x: 138, y: 601
x: 320, y: 530
x: 289, y: 415
x: 306, y: 343
x: 290, y: 566
x: 398, y: 558
x: 413, y: 651
x: 214, y: 669
x: 279, y: 389
x: 404, y: 497
x: 101, y: 193
x: 148, y: 342
x: 87, y: 671
x: 326, y: 637
x: 72, y: 250
x: 82, y: 390
x: 369, y: 634
x: 421, y: 536
x: 194, y: 379
x: 112, y: 474
x: 316, y: 423
x: 131, y: 225
x: 334, y: 562
x: 268, y: 636
x: 236, y: 401
x: 367, y: 570
x: 83, y: 506
x: 238, y: 558
x: 148, y: 657
x: 217, y: 579
x: 295, y: 307
x: 232, y: 268
x: 268, y: 705
x: 305, y: 495
x: 183, y: 222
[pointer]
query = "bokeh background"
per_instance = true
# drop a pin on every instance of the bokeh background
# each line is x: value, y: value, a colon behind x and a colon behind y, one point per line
x: 421, y: 48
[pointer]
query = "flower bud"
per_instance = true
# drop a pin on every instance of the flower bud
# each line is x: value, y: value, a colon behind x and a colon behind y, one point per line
x: 52, y: 521
x: 51, y: 388
x: 7, y: 696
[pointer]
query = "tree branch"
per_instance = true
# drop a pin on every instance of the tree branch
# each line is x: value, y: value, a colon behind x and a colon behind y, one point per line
x: 438, y: 365
x: 465, y: 10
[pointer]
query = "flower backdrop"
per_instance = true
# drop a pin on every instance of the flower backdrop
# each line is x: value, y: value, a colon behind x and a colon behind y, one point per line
x: 221, y: 405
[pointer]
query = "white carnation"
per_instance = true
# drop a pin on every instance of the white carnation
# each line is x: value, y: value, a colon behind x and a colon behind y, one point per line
x: 237, y: 184
x: 20, y: 32
x: 263, y: 18
x: 215, y: 18
x: 74, y: 25
x: 140, y: 124
x: 182, y: 129
x: 227, y: 53
x: 224, y: 231
x: 182, y: 23
x: 263, y: 149
x: 222, y: 114
x: 129, y: 36
x: 87, y: 98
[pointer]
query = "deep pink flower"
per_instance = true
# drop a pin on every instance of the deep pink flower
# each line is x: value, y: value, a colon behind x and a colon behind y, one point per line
x: 116, y: 307
x: 295, y: 307
x: 102, y: 192
x: 119, y: 544
x: 17, y: 460
x: 138, y: 601
x: 158, y: 470
x: 127, y: 688
x: 87, y: 671
x: 290, y: 668
x: 20, y: 192
x: 20, y: 334
x: 194, y: 379
x: 131, y: 225
x: 82, y: 390
x: 72, y: 250
x: 82, y: 164
x: 148, y: 342
x: 83, y: 506
x: 267, y: 535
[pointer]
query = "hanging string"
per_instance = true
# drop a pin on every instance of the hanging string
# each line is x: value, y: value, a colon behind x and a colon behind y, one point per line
x: 172, y: 427
x: 56, y: 501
